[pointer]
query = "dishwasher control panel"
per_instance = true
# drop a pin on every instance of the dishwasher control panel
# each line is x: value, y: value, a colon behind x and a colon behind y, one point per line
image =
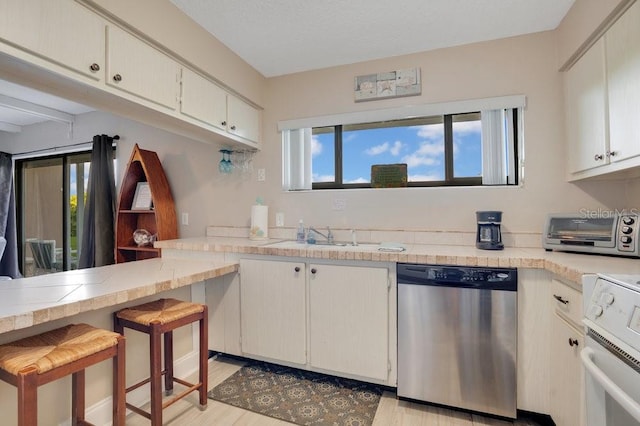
x: 458, y: 276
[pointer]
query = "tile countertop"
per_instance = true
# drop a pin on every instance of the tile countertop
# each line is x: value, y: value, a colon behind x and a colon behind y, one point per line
x: 569, y: 266
x: 25, y: 302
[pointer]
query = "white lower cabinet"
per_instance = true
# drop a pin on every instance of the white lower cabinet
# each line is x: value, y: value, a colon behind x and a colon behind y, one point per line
x: 333, y: 317
x: 348, y: 319
x: 567, y: 378
x: 272, y: 309
x: 534, y: 324
x: 567, y: 340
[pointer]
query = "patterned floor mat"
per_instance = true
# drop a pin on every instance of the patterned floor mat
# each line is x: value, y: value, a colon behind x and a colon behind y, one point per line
x: 300, y: 397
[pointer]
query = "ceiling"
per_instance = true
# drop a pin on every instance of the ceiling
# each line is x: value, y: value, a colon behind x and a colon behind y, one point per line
x: 280, y: 37
x: 21, y: 106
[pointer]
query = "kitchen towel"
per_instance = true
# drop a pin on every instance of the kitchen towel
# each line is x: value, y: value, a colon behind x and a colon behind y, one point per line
x: 259, y: 222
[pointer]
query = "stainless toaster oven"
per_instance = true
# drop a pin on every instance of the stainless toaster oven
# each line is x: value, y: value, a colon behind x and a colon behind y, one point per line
x: 606, y: 232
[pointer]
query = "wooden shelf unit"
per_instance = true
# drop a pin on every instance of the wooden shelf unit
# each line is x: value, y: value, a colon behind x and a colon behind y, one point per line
x: 161, y: 220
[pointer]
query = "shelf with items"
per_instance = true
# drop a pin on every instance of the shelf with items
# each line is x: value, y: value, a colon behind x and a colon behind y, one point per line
x: 159, y: 219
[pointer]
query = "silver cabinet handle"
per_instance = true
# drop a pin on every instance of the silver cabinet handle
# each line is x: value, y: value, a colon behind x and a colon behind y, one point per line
x: 232, y: 127
x: 297, y: 269
x: 224, y: 123
x: 573, y: 342
x: 117, y: 77
x: 94, y: 67
x: 314, y: 270
x: 598, y: 157
x: 611, y: 153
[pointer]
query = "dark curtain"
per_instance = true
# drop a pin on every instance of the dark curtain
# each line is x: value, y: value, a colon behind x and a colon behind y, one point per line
x: 9, y: 261
x: 98, y: 239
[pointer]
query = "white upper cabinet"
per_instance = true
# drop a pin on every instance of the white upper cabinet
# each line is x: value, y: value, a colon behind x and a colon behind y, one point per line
x: 208, y: 103
x: 602, y: 102
x: 203, y: 100
x: 586, y: 111
x: 59, y: 31
x: 243, y: 120
x: 623, y: 80
x: 138, y: 68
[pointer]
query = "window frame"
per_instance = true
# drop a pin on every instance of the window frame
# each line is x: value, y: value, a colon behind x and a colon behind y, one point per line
x: 447, y: 121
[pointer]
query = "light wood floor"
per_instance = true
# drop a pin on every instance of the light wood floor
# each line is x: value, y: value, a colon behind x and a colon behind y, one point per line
x: 391, y: 411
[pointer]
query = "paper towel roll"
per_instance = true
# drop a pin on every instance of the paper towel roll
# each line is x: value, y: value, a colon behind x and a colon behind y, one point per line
x: 259, y: 223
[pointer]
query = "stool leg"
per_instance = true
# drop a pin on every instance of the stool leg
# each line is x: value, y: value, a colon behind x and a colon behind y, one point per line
x: 204, y: 356
x: 155, y: 336
x: 27, y: 397
x: 77, y: 397
x: 119, y: 386
x: 168, y: 362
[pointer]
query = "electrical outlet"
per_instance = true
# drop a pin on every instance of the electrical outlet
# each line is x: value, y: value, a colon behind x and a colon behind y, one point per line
x: 279, y: 219
x: 185, y: 218
x: 261, y: 175
x: 339, y: 204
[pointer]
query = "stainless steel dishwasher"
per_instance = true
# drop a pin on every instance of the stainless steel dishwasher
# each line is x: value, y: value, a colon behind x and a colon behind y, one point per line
x: 457, y: 336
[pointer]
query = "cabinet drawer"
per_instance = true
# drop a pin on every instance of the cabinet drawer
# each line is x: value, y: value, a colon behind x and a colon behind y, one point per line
x: 568, y: 301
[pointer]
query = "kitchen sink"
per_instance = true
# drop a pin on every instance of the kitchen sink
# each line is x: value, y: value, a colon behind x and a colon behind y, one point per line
x: 292, y: 244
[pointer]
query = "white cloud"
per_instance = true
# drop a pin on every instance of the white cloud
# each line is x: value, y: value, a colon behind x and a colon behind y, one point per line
x: 378, y: 149
x: 420, y: 178
x: 386, y: 147
x: 431, y: 131
x: 316, y: 146
x: 350, y: 136
x: 358, y: 180
x: 396, y: 148
x: 467, y: 127
x: 428, y: 154
x: 323, y: 178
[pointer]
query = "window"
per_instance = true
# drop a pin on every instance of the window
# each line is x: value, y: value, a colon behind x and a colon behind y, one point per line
x: 453, y: 149
x: 51, y: 194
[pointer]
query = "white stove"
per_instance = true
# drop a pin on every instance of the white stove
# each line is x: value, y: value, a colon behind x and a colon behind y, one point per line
x: 611, y: 356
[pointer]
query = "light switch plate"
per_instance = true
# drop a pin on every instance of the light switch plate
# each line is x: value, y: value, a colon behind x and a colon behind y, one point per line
x: 339, y: 204
x: 261, y: 175
x: 279, y: 219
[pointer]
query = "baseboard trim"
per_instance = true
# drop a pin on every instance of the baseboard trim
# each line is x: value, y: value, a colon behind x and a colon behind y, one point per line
x: 100, y: 412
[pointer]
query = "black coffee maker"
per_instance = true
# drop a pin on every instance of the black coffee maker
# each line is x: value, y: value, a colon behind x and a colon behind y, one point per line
x: 489, y: 236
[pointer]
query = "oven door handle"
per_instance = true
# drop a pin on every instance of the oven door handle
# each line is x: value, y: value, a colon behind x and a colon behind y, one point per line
x: 628, y: 403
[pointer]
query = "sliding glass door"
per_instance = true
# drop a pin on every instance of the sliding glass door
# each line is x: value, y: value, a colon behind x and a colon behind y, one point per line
x: 51, y: 198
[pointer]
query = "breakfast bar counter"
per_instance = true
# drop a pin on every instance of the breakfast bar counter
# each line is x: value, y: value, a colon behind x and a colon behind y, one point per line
x: 26, y: 302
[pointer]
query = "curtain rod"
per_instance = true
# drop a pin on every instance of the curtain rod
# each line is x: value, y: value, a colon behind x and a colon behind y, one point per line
x: 56, y: 148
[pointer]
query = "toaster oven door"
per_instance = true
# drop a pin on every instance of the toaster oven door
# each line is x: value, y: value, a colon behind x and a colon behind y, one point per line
x: 582, y: 231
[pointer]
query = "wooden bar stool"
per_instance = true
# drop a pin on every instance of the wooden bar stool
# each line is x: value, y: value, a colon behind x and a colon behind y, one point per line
x: 158, y: 318
x: 37, y: 360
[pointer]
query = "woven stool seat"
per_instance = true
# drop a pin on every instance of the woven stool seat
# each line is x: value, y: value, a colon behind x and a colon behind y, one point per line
x: 161, y: 311
x: 37, y: 360
x: 55, y: 348
x: 158, y: 319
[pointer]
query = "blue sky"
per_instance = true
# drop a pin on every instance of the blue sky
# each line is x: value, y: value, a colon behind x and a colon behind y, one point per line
x: 420, y: 147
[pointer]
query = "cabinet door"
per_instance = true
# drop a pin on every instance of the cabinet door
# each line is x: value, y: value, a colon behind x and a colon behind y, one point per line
x: 586, y: 111
x: 137, y: 68
x: 623, y: 79
x: 272, y: 306
x: 567, y: 379
x: 60, y: 31
x: 535, y: 310
x: 203, y: 100
x: 243, y: 119
x: 348, y: 320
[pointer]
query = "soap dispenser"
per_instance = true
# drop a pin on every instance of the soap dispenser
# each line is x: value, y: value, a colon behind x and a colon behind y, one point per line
x: 300, y: 234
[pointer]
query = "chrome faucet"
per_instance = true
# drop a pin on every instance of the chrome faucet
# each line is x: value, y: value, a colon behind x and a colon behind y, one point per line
x: 328, y: 237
